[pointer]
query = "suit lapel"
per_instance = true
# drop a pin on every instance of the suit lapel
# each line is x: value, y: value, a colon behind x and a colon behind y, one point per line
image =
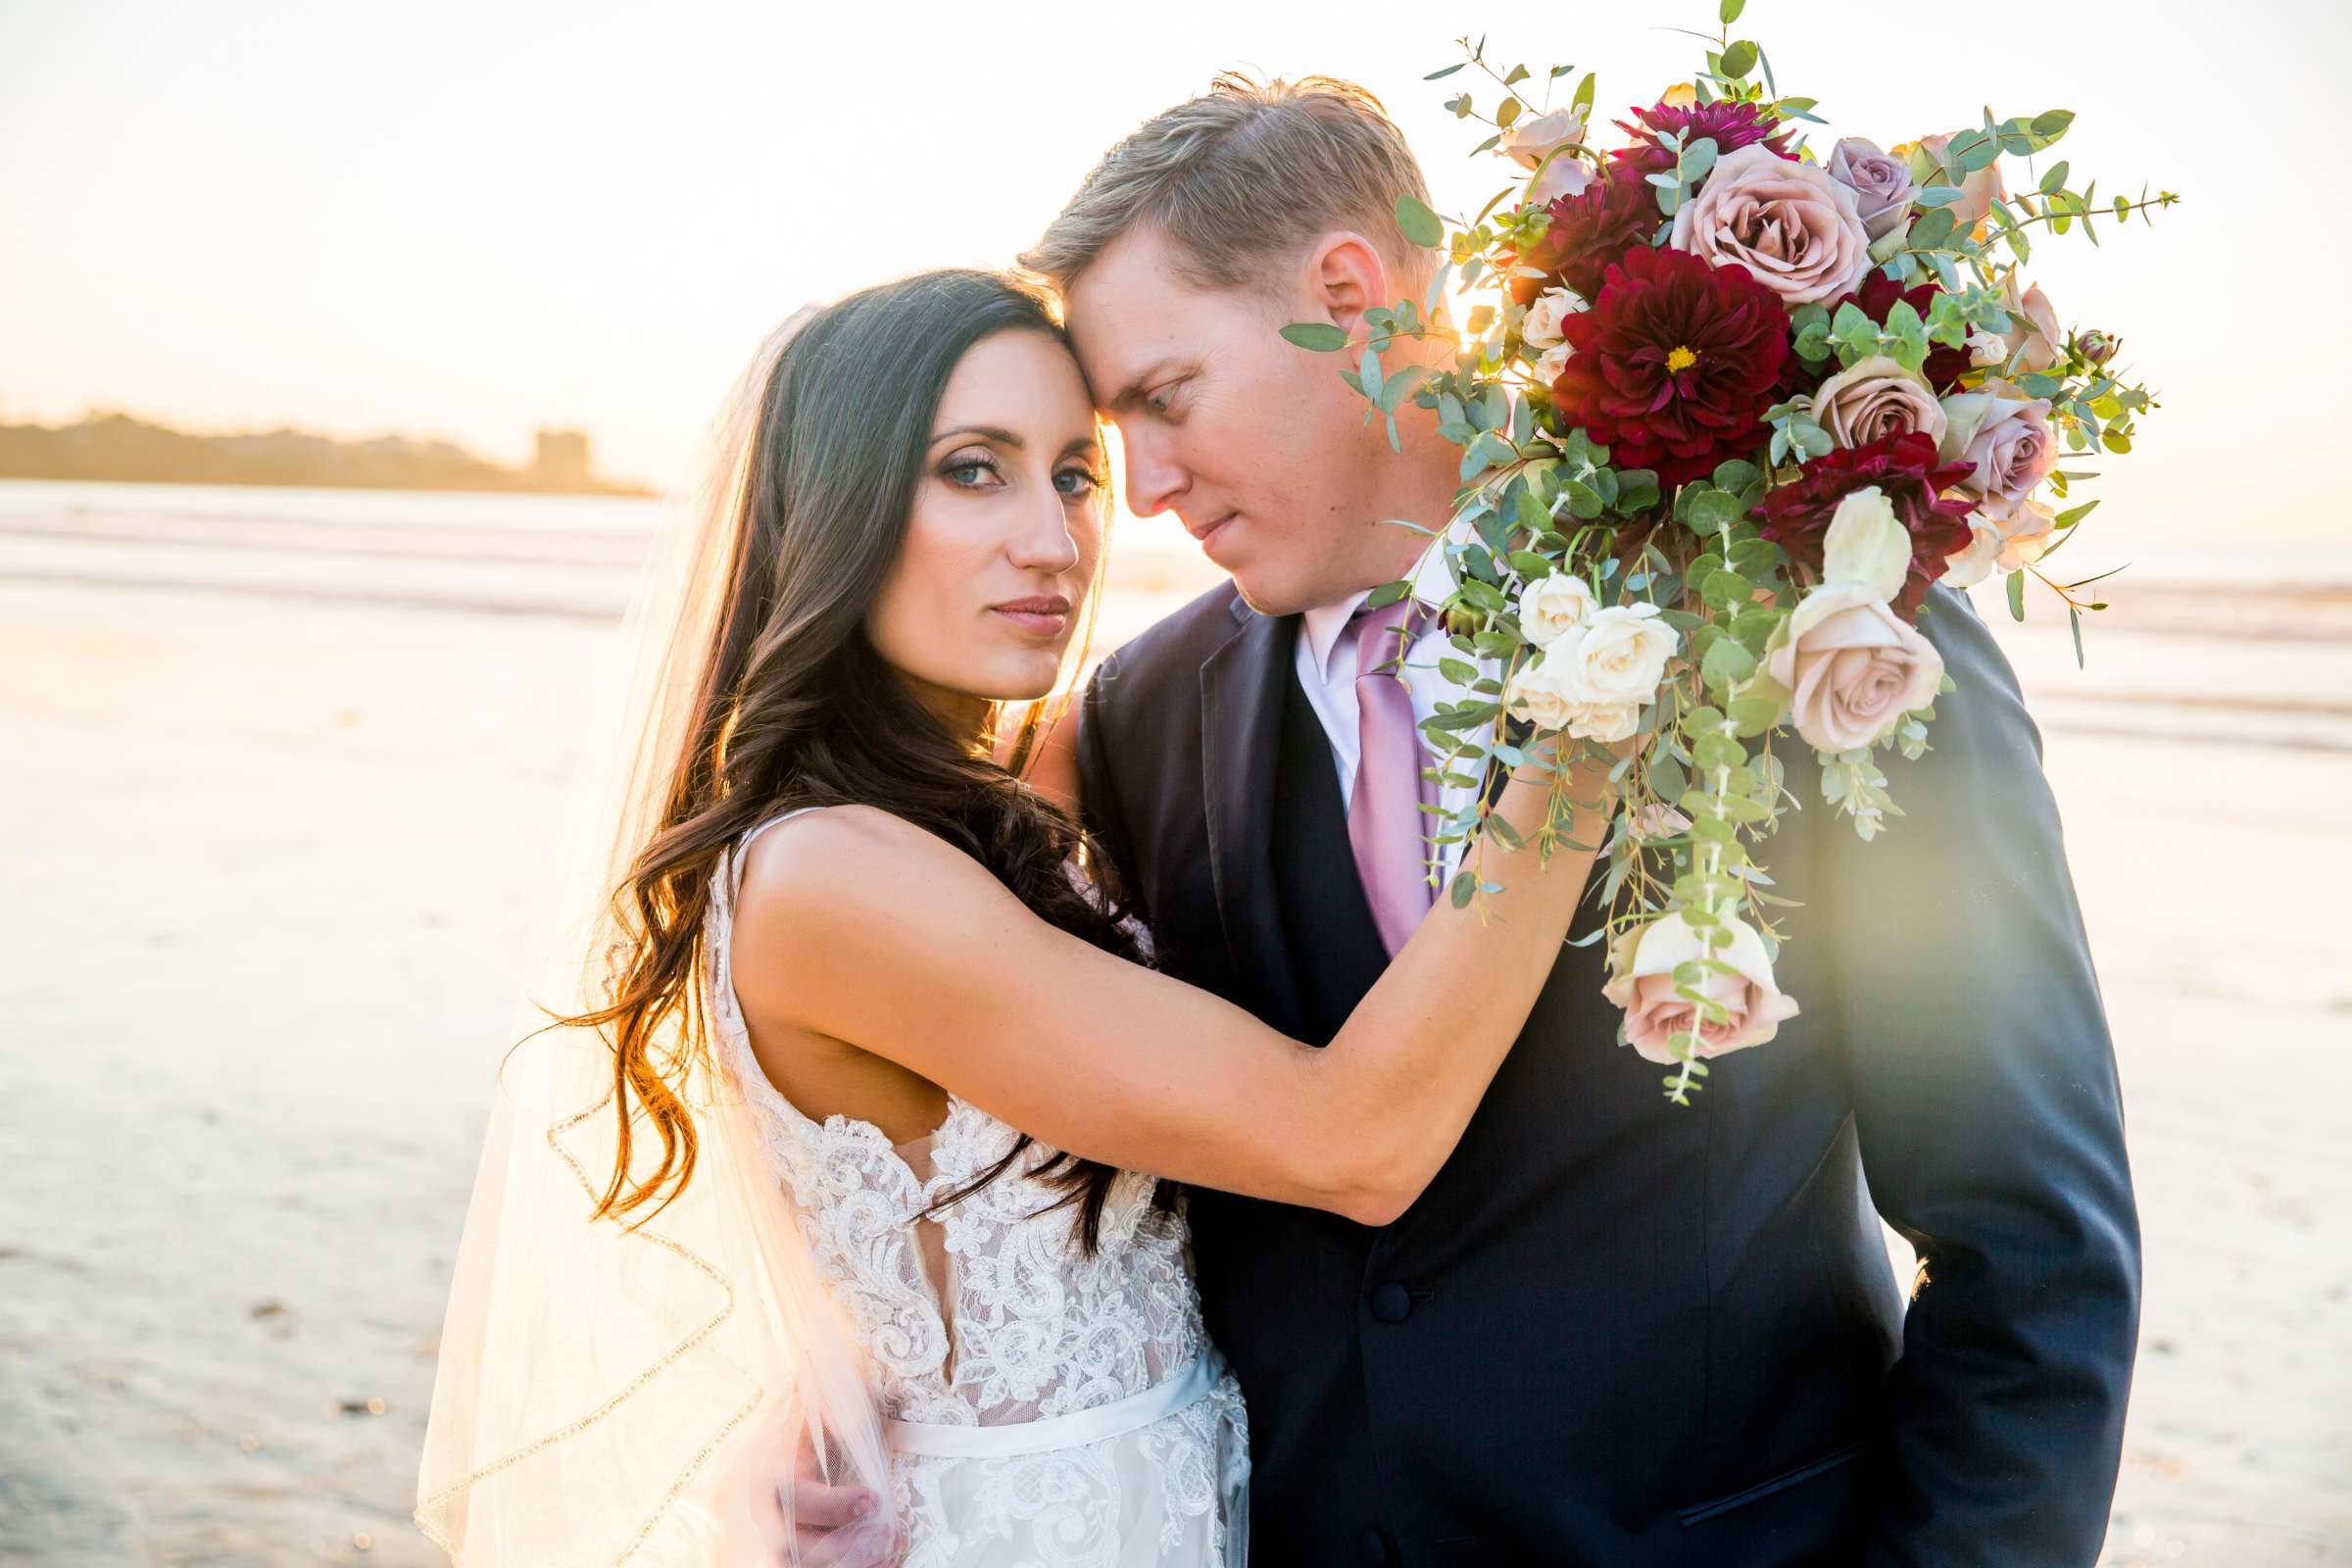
x: 1241, y: 686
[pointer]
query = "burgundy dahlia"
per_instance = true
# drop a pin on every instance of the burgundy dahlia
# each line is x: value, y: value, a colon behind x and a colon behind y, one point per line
x: 1673, y: 367
x: 1732, y: 125
x: 1796, y: 515
x: 1616, y: 212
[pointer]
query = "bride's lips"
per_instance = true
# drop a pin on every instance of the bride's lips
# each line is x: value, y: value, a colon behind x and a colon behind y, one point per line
x: 1040, y: 615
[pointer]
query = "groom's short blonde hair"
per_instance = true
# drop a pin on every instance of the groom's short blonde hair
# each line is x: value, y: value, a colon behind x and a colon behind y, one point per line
x: 1241, y: 178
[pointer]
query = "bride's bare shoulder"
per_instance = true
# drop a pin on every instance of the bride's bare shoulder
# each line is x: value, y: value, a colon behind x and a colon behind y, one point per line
x: 825, y: 851
x: 845, y: 870
x: 852, y: 901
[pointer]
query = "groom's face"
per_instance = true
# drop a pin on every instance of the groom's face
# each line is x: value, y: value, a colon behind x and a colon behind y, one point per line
x: 1256, y: 446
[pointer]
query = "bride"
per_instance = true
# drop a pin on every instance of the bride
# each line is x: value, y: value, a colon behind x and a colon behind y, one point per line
x: 842, y: 1219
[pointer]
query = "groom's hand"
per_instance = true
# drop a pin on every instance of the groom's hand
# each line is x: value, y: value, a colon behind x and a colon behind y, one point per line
x: 840, y: 1527
x: 810, y: 1523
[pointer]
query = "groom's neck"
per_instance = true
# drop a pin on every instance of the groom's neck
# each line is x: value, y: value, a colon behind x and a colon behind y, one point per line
x: 1420, y: 488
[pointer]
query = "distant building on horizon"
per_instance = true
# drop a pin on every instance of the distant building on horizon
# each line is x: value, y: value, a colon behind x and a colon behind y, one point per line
x: 562, y: 460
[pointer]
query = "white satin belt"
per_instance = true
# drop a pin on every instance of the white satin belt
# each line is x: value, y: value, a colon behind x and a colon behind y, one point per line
x: 1130, y: 1414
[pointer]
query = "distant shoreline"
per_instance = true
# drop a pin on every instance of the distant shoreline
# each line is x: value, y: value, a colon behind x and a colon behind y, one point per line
x: 112, y: 448
x: 633, y: 492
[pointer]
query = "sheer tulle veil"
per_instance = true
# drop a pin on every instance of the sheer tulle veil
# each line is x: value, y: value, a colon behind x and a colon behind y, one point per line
x: 610, y: 1393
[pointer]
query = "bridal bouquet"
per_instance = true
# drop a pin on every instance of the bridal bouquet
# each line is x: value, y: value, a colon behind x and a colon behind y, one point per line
x: 1728, y: 408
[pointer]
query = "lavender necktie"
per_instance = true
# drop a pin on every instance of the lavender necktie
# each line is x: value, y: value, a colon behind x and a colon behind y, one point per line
x: 1385, y: 827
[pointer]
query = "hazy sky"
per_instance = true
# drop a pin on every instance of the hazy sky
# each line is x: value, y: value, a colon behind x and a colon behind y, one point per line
x: 471, y: 220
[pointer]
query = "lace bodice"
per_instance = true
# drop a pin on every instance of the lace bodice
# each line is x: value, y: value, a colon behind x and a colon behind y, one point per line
x: 989, y: 1313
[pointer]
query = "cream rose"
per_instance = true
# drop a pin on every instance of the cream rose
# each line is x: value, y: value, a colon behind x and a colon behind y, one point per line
x: 1542, y: 327
x: 1792, y: 227
x: 2031, y: 345
x: 2006, y: 438
x: 1866, y: 543
x: 1641, y: 982
x: 1617, y: 656
x: 1554, y: 364
x: 1876, y: 397
x: 1550, y: 608
x: 1529, y: 142
x: 1848, y: 668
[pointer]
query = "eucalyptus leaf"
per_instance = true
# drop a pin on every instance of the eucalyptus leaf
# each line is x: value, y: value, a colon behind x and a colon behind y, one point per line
x: 1418, y: 224
x: 1754, y: 715
x: 1320, y: 336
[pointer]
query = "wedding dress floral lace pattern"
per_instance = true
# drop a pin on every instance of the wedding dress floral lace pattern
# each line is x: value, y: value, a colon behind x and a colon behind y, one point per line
x: 1046, y: 1407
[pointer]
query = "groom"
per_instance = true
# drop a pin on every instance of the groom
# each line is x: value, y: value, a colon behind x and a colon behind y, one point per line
x: 1612, y: 1331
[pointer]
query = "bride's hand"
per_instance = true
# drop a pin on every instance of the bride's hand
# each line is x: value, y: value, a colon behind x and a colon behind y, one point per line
x: 1525, y: 801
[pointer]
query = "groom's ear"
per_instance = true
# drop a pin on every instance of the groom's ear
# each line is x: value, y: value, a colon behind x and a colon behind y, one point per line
x: 1345, y: 275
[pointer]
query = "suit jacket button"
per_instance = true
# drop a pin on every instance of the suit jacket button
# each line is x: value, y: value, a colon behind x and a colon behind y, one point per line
x: 1392, y: 1302
x: 1375, y: 1549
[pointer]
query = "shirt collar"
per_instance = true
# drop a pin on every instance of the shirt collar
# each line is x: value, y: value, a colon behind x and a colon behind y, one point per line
x: 1321, y: 627
x: 1433, y: 583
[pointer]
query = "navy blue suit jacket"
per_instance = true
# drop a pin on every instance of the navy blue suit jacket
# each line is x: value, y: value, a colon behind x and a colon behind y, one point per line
x: 1613, y: 1331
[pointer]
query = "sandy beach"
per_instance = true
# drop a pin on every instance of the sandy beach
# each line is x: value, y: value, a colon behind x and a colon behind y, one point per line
x: 277, y: 826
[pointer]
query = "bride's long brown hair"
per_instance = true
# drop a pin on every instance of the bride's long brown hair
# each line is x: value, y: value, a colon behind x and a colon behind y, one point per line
x: 791, y: 706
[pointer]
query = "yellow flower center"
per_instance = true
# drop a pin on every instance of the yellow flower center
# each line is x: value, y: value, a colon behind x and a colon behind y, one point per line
x: 1680, y: 359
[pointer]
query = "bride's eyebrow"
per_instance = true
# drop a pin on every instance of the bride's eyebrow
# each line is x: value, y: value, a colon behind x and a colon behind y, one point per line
x: 987, y: 432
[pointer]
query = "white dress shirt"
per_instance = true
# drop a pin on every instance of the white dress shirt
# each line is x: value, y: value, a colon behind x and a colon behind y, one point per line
x: 1326, y: 660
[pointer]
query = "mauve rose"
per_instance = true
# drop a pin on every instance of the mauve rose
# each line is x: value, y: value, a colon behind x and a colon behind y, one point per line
x: 1881, y: 183
x: 1847, y: 667
x: 1529, y: 142
x: 1876, y: 397
x: 1977, y: 191
x: 1642, y: 967
x: 1792, y: 228
x: 2034, y: 335
x: 2007, y: 440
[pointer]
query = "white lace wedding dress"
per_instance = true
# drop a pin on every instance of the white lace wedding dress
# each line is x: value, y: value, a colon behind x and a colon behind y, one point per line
x: 1046, y: 1407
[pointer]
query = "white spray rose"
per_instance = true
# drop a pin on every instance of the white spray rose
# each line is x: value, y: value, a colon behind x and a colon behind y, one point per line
x: 1547, y: 695
x: 1552, y: 606
x: 1617, y: 656
x: 1541, y: 329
